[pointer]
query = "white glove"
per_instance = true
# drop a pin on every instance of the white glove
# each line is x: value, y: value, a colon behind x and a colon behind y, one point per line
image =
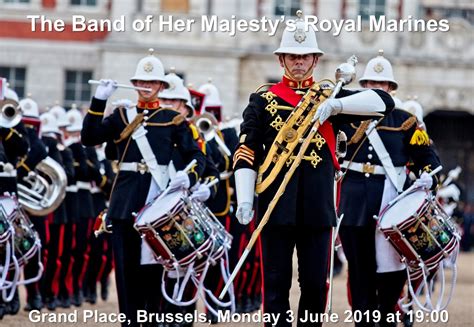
x: 105, y: 89
x: 180, y: 180
x: 328, y: 108
x: 244, y: 213
x: 425, y: 181
x: 202, y: 193
x: 123, y: 103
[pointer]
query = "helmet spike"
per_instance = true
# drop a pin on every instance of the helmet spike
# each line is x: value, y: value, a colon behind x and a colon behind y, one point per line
x: 151, y: 51
x: 381, y: 52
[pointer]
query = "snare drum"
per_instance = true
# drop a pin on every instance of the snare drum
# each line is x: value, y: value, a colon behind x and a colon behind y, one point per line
x: 26, y: 240
x: 175, y: 232
x: 419, y: 230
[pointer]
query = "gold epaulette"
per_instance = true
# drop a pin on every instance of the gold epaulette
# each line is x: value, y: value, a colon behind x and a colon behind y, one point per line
x: 128, y: 130
x: 359, y: 133
x: 264, y: 87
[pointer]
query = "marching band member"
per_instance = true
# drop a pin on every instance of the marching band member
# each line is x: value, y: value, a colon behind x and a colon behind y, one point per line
x: 51, y: 137
x: 72, y: 208
x: 177, y: 97
x: 219, y: 151
x: 85, y: 212
x: 145, y: 136
x: 376, y: 275
x: 14, y: 145
x: 100, y: 247
x: 36, y: 154
x: 306, y: 211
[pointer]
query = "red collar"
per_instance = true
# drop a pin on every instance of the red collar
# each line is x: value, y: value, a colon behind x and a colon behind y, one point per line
x: 155, y: 104
x: 297, y: 84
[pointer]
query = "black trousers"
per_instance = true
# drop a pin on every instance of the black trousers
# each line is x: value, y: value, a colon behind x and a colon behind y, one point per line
x: 82, y: 234
x: 31, y: 269
x: 312, y: 246
x: 130, y: 282
x: 368, y: 289
x: 53, y: 248
x: 65, y: 259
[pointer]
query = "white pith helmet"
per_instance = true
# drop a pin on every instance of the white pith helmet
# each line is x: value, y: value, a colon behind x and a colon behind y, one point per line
x: 74, y: 117
x: 299, y: 41
x: 49, y: 123
x: 60, y: 114
x: 29, y: 107
x: 379, y: 69
x: 176, y: 89
x: 11, y: 94
x: 149, y: 68
x: 415, y: 108
x: 212, y: 98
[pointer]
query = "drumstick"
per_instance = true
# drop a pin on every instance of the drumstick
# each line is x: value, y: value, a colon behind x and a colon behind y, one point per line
x: 186, y: 169
x: 401, y: 195
x: 123, y: 86
x: 212, y: 183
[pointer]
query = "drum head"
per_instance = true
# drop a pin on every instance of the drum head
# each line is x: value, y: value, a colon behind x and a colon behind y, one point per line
x: 402, y: 209
x: 158, y: 208
x: 8, y: 204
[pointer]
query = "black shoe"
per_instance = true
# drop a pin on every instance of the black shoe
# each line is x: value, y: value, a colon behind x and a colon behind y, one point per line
x: 12, y: 307
x: 248, y: 305
x: 34, y: 303
x: 104, y: 290
x: 77, y: 299
x: 51, y: 303
x: 407, y: 321
x: 2, y: 310
x: 64, y: 301
x: 91, y: 297
x: 212, y: 318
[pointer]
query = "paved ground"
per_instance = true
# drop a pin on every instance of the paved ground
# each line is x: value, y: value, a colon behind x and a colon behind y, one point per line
x: 461, y: 309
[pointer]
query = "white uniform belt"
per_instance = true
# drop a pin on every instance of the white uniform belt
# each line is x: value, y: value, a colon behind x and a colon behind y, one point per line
x: 83, y: 185
x: 364, y: 168
x: 11, y: 173
x: 71, y: 188
x: 137, y: 167
x: 95, y: 189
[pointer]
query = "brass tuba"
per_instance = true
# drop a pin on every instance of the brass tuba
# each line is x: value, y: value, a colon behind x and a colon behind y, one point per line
x: 10, y: 113
x: 43, y: 190
x: 207, y: 125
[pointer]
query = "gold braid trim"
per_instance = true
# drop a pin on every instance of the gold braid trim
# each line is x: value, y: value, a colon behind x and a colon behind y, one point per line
x: 103, y: 181
x: 122, y: 115
x: 177, y: 120
x: 23, y: 164
x: 95, y: 113
x: 407, y: 124
x: 359, y: 133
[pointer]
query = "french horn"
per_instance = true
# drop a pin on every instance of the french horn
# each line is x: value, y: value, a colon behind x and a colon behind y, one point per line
x: 43, y: 190
x: 10, y: 113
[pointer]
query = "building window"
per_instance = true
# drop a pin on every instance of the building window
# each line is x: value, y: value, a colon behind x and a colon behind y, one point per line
x: 287, y: 7
x: 15, y: 1
x: 77, y: 89
x: 371, y: 8
x: 449, y: 12
x: 84, y: 2
x: 16, y: 79
x: 178, y: 6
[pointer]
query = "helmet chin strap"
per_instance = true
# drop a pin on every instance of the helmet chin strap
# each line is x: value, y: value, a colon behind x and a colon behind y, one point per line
x: 306, y: 75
